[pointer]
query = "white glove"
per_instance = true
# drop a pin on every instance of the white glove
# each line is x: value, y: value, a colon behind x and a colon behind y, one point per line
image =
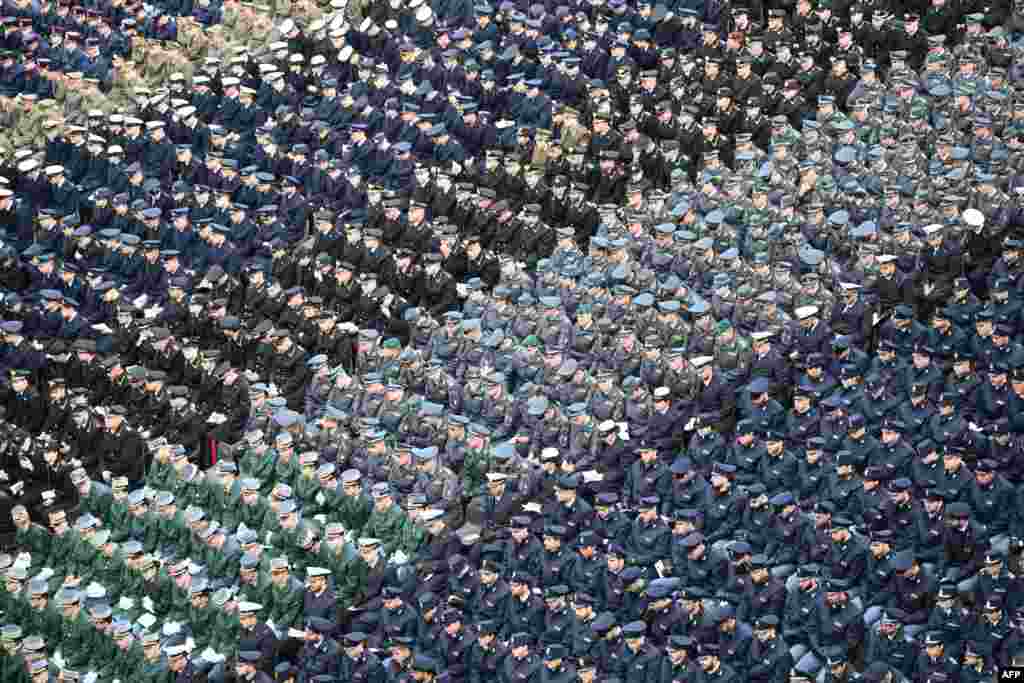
x: 211, y: 656
x: 320, y: 498
x: 399, y: 557
x: 125, y: 603
x: 147, y: 604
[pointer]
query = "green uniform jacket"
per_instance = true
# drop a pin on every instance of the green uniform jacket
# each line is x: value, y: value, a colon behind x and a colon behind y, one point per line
x: 14, y: 607
x: 104, y: 570
x: 173, y: 533
x: 285, y: 472
x: 144, y: 529
x: 75, y: 642
x: 46, y: 623
x: 253, y: 516
x: 117, y: 515
x: 161, y: 591
x: 159, y: 476
x: 12, y: 669
x: 356, y: 581
x: 124, y: 664
x: 354, y: 512
x: 411, y: 538
x: 259, y: 466
x: 337, y: 558
x: 36, y: 540
x: 224, y: 504
x: 102, y: 652
x: 222, y: 566
x: 98, y: 505
x: 225, y: 634
x: 286, y: 604
x: 333, y: 502
x: 306, y: 489
x: 475, y: 467
x: 186, y: 491
x: 249, y: 593
x: 386, y: 526
x: 204, y: 626
x: 78, y: 554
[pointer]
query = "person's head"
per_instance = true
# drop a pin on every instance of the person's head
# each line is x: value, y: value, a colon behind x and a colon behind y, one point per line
x: 615, y: 559
x: 151, y: 646
x: 708, y: 659
x: 177, y: 658
x: 248, y: 663
x: 279, y: 572
x: 20, y: 380
x: 72, y: 604
x: 840, y: 533
x: 115, y: 418
x: 355, y: 644
x: 248, y: 614
x: 39, y: 595
x: 199, y: 595
x: 369, y: 550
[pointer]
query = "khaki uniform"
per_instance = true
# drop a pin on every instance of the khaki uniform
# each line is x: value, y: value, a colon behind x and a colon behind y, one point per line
x: 8, y: 118
x: 182, y: 63
x: 230, y: 17
x: 122, y: 95
x: 259, y: 33
x: 356, y: 11
x: 75, y: 104
x: 28, y: 129
x: 92, y: 99
x: 140, y: 49
x: 193, y: 44
x: 156, y: 69
x: 216, y: 43
x: 574, y: 138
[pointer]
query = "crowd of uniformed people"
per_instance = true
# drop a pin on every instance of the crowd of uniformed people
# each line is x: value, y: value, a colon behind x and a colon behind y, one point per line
x: 602, y: 341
